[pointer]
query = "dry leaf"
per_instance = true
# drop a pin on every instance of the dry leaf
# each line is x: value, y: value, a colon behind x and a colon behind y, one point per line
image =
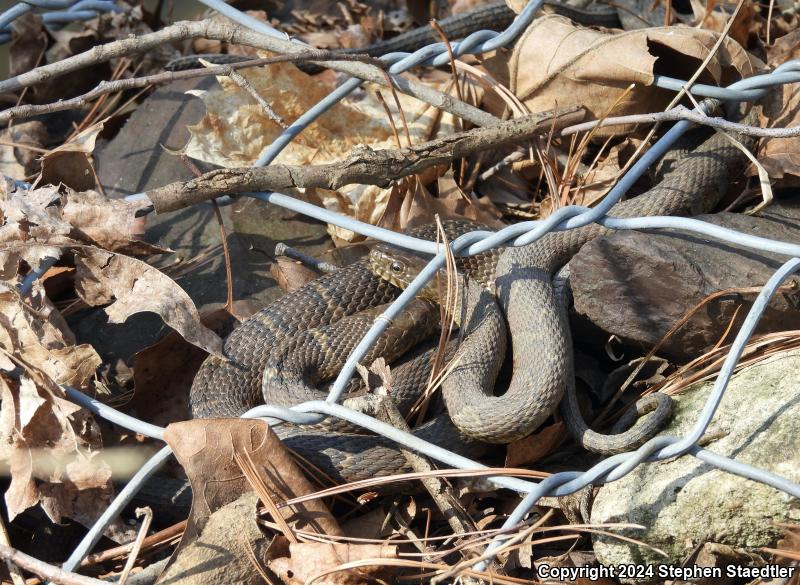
x: 47, y: 442
x: 29, y: 40
x: 163, y: 372
x: 378, y: 377
x: 556, y: 63
x: 602, y: 176
x: 70, y: 164
x: 31, y: 229
x: 534, y: 447
x: 58, y: 281
x: 131, y: 286
x: 108, y: 223
x: 309, y: 560
x: 225, y: 550
x: 781, y: 108
x: 747, y: 21
x: 32, y: 134
x: 31, y: 329
x: 235, y: 130
x: 9, y: 165
x: 205, y: 449
x: 49, y: 445
x: 291, y: 274
x: 419, y: 207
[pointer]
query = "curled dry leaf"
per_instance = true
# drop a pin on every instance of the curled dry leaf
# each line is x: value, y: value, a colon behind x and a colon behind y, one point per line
x: 206, y: 449
x: 31, y: 229
x: 32, y: 330
x: 132, y: 286
x: 49, y: 446
x: 558, y: 63
x: 236, y: 130
x: 378, y: 377
x: 108, y: 223
x: 70, y: 164
x: 781, y: 108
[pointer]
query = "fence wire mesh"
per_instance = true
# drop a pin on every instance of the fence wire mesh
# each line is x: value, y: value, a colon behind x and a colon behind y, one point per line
x: 609, y: 469
x: 55, y: 13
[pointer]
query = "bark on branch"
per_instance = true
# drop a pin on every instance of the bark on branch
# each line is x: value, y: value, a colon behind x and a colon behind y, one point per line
x: 233, y: 33
x: 363, y: 165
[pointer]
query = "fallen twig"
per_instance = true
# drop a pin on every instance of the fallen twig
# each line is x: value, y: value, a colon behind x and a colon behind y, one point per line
x: 282, y: 249
x: 363, y: 166
x: 45, y: 570
x: 232, y: 33
x: 147, y: 515
x: 118, y: 85
x: 684, y: 113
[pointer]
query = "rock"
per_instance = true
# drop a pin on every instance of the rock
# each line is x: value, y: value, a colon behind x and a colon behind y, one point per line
x: 638, y: 285
x: 685, y: 502
x: 222, y: 554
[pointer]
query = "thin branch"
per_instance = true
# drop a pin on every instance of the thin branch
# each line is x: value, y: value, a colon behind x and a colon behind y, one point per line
x: 242, y: 82
x: 282, y: 249
x: 45, y: 570
x: 16, y: 575
x: 232, y: 33
x: 684, y: 113
x: 137, y: 544
x: 363, y: 166
x: 118, y: 85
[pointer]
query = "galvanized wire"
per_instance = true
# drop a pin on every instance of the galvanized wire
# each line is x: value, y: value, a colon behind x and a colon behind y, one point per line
x: 609, y: 469
x: 59, y: 13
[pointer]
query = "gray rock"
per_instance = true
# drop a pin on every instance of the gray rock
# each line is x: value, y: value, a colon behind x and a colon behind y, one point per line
x: 638, y: 285
x: 220, y: 554
x: 684, y: 502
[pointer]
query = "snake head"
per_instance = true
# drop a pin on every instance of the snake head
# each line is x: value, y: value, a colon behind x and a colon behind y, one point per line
x: 400, y: 267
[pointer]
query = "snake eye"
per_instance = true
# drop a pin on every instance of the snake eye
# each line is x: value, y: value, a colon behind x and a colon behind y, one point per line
x: 397, y: 267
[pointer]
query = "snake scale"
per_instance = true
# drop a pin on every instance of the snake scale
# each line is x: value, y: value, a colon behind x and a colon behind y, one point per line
x: 495, y: 16
x: 304, y: 337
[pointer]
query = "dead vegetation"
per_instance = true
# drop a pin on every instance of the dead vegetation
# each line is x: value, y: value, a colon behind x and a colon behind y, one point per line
x: 492, y: 138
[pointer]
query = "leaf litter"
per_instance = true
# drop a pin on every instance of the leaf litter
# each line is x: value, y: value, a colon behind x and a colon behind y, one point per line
x: 240, y: 473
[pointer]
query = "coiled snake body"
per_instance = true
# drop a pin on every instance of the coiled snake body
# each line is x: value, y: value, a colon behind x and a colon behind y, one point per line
x: 306, y: 335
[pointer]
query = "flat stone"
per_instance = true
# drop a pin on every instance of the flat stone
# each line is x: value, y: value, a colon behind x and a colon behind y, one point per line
x: 638, y: 285
x: 685, y: 502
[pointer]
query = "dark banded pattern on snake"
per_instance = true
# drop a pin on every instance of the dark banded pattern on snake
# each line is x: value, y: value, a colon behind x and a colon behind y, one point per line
x: 495, y: 16
x: 693, y: 182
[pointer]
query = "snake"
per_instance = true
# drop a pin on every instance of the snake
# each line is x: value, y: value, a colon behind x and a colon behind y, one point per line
x: 496, y: 16
x: 315, y: 327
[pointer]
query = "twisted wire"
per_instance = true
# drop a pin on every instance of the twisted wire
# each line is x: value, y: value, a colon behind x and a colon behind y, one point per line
x: 609, y: 469
x: 61, y: 12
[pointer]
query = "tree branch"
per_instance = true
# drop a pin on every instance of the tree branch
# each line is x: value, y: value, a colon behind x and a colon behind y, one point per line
x: 44, y: 570
x: 362, y: 166
x: 232, y: 33
x: 106, y: 87
x: 684, y: 113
